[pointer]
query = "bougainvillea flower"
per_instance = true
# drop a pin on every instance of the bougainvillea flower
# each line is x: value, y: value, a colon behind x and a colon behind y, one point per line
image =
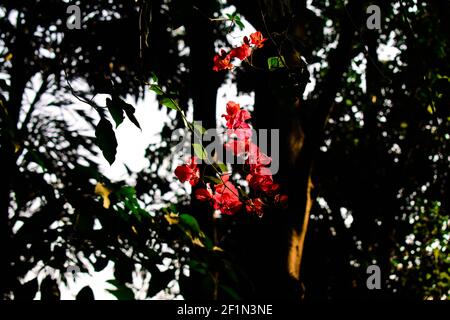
x: 232, y: 109
x: 222, y: 61
x: 204, y: 194
x: 261, y: 180
x: 226, y: 197
x: 238, y: 147
x: 227, y: 203
x: 255, y: 206
x: 256, y: 158
x: 257, y: 39
x: 188, y: 172
x: 242, y: 52
x: 236, y: 118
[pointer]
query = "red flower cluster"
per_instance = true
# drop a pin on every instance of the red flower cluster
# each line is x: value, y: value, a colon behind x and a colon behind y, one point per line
x: 222, y: 61
x: 236, y: 118
x: 225, y: 197
x: 188, y: 172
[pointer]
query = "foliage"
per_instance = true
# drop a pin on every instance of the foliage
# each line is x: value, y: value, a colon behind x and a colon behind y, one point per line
x: 379, y: 168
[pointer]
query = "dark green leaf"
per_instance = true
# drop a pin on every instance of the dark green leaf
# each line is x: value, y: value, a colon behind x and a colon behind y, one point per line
x: 230, y: 292
x: 116, y: 111
x: 106, y: 140
x: 239, y: 23
x: 129, y: 110
x: 190, y: 222
x: 85, y: 294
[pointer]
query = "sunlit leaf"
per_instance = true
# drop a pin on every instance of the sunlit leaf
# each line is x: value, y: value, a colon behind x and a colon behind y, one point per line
x: 104, y: 192
x: 169, y: 103
x: 157, y: 89
x: 199, y: 129
x: 275, y: 63
x: 172, y: 218
x: 199, y: 151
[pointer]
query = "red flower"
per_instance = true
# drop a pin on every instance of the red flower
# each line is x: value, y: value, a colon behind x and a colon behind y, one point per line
x: 242, y: 52
x: 256, y: 158
x: 222, y: 61
x: 257, y: 39
x: 204, y: 194
x: 261, y: 180
x: 236, y: 118
x: 255, y: 206
x: 238, y: 146
x: 188, y: 172
x: 226, y: 197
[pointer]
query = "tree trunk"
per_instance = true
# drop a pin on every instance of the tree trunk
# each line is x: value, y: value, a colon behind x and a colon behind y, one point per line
x: 301, y: 125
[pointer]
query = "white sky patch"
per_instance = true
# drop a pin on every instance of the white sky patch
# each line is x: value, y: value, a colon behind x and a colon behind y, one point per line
x: 347, y: 216
x: 133, y: 142
x: 96, y: 281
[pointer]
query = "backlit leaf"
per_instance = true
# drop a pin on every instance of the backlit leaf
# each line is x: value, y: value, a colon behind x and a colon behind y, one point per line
x: 106, y: 140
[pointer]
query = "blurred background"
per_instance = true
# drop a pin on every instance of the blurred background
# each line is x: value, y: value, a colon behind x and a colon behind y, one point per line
x: 89, y: 205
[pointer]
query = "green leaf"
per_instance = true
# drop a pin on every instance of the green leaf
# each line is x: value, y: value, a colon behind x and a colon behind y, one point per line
x: 212, y: 179
x: 230, y: 292
x: 199, y: 151
x: 190, y: 222
x: 115, y: 110
x: 237, y: 20
x: 169, y: 103
x: 106, y: 140
x: 240, y: 25
x: 126, y: 192
x: 157, y: 89
x: 154, y: 77
x: 85, y: 294
x: 275, y: 63
x: 222, y: 167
